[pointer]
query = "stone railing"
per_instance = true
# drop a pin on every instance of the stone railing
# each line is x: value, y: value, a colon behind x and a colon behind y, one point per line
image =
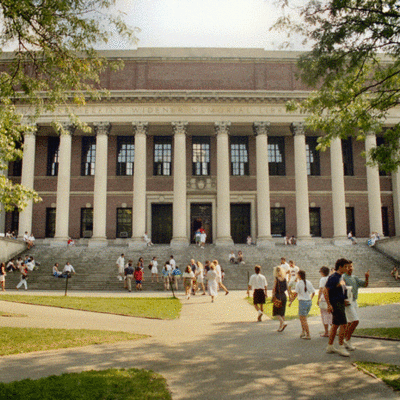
x: 9, y: 248
x: 390, y: 247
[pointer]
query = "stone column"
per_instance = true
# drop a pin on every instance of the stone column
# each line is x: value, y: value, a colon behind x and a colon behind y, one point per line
x: 63, y: 186
x: 27, y: 180
x: 261, y: 130
x: 300, y: 166
x: 223, y: 187
x: 100, y: 185
x: 396, y: 200
x: 374, y: 189
x: 139, y: 185
x: 179, y: 234
x: 338, y: 196
x: 2, y: 211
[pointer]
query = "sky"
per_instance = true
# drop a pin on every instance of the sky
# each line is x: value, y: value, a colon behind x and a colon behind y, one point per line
x: 203, y: 23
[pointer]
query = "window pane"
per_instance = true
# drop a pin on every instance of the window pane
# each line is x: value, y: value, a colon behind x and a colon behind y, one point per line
x: 312, y: 155
x: 125, y: 155
x: 53, y: 147
x: 162, y: 155
x: 239, y: 156
x: 88, y: 155
x: 276, y: 155
x: 124, y: 222
x: 347, y: 150
x: 201, y: 156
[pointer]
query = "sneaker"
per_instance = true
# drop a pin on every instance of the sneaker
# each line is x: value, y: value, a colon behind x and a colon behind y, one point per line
x: 302, y: 334
x: 330, y: 349
x: 306, y: 337
x: 119, y: 278
x: 348, y: 345
x: 342, y: 351
x: 260, y: 314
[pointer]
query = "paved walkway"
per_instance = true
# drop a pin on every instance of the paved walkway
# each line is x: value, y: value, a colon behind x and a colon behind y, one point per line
x: 214, y: 351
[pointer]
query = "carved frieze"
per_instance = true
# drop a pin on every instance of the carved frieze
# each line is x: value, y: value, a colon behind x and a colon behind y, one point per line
x: 202, y: 183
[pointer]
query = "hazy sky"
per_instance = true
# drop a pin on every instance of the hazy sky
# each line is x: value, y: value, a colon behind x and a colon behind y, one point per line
x: 202, y: 23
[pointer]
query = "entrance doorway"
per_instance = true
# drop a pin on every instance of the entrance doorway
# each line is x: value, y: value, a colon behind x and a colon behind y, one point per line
x: 240, y: 222
x: 201, y: 217
x: 161, y: 223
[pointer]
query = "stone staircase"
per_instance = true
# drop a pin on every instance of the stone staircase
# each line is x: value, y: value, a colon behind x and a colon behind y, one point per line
x: 96, y: 267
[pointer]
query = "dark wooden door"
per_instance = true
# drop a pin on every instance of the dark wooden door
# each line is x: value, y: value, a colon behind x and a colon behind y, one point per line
x: 161, y: 223
x: 201, y: 217
x: 240, y: 222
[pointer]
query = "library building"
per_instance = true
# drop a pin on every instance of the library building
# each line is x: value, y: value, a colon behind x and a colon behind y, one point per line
x: 194, y: 139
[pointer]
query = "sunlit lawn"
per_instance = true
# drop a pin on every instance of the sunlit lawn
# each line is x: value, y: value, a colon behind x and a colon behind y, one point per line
x: 364, y: 300
x: 160, y: 308
x: 111, y: 384
x: 389, y: 333
x: 26, y: 340
x: 389, y: 373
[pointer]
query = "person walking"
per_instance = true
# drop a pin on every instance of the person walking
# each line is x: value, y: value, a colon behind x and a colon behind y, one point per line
x: 24, y: 274
x: 336, y: 296
x: 154, y: 269
x: 188, y: 277
x: 258, y: 283
x: 3, y: 276
x: 219, y: 277
x: 120, y: 267
x: 326, y: 316
x: 279, y: 297
x: 351, y: 310
x: 138, y: 275
x: 305, y: 291
x: 200, y: 277
x: 129, y: 275
x: 212, y: 282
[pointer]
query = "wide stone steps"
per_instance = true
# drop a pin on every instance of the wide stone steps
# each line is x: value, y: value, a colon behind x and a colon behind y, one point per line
x: 96, y: 267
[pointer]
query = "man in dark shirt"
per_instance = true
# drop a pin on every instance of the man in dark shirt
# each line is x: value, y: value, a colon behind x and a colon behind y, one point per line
x: 336, y: 295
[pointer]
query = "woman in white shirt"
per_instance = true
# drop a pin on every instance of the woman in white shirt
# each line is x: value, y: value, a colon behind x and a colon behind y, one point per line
x: 305, y: 292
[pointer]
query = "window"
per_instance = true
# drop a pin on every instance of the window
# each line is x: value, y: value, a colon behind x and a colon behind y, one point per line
x: 124, y: 222
x: 312, y: 154
x: 50, y: 222
x: 278, y: 221
x: 276, y: 155
x: 347, y: 150
x: 350, y: 221
x: 315, y: 221
x: 162, y: 155
x: 88, y: 155
x: 239, y: 156
x: 86, y: 222
x: 385, y: 221
x: 15, y: 167
x: 201, y: 156
x: 126, y: 155
x: 53, y: 150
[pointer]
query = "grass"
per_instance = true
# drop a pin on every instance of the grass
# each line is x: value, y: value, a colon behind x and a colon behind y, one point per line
x: 385, y: 333
x: 160, y: 308
x: 27, y: 340
x: 111, y: 384
x: 389, y: 373
x: 7, y: 314
x: 364, y: 300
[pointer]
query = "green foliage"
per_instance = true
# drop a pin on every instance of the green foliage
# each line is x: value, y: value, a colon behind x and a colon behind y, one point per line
x: 162, y: 308
x: 389, y: 333
x: 53, y: 64
x: 354, y: 67
x: 27, y: 340
x: 111, y: 384
x: 389, y: 373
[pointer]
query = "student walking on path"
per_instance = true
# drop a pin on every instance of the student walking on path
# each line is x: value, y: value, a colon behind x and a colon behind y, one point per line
x: 258, y: 283
x: 279, y: 297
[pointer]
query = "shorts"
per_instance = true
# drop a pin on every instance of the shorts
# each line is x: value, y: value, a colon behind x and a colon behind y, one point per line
x: 304, y: 307
x: 2, y: 278
x: 351, y: 311
x: 326, y: 317
x: 339, y: 314
x: 259, y: 296
x: 138, y: 282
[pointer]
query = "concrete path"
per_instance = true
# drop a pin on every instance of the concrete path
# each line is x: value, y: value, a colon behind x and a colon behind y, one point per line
x: 214, y: 351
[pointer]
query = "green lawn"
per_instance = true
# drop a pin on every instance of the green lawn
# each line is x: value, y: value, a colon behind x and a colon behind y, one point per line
x: 390, y: 374
x: 160, y: 308
x: 111, y: 384
x: 26, y: 340
x: 390, y: 333
x: 364, y: 300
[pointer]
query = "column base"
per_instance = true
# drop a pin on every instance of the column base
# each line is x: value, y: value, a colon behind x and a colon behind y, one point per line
x: 98, y: 242
x: 224, y: 241
x: 265, y: 242
x: 341, y: 241
x: 179, y: 243
x: 305, y: 241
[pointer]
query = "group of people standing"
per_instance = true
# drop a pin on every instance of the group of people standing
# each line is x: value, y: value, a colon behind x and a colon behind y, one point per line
x: 337, y: 299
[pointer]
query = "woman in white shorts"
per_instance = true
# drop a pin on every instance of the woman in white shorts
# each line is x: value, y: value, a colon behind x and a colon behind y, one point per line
x: 3, y: 276
x: 200, y: 276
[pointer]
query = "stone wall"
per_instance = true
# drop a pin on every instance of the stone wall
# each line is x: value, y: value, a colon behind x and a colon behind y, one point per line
x: 9, y: 248
x: 390, y: 247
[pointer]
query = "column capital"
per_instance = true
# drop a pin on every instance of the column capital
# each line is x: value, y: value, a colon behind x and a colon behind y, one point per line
x: 66, y: 128
x: 297, y: 128
x: 222, y: 126
x: 179, y: 127
x: 261, y: 128
x: 102, y: 128
x: 31, y: 129
x: 140, y: 127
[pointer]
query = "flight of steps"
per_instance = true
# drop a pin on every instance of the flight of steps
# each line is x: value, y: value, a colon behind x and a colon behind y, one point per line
x: 96, y: 267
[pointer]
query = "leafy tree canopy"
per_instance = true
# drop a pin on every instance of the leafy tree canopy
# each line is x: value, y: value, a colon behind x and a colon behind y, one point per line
x: 53, y: 62
x: 354, y: 67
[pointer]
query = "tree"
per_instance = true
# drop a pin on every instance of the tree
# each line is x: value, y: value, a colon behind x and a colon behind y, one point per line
x: 53, y: 62
x: 354, y: 68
